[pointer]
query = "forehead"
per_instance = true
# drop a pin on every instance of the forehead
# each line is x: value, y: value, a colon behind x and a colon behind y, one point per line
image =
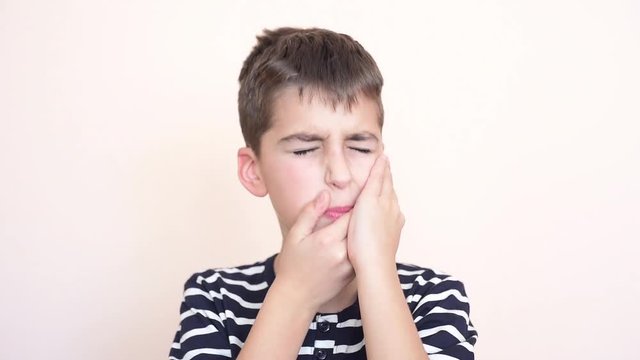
x: 292, y: 112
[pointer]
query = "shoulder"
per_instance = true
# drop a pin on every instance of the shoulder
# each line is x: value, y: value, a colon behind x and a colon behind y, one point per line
x: 221, y: 277
x: 219, y: 307
x: 244, y: 286
x: 440, y: 310
x: 421, y: 285
x: 414, y: 276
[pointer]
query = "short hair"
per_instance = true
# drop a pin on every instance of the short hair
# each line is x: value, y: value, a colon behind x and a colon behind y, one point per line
x: 322, y: 62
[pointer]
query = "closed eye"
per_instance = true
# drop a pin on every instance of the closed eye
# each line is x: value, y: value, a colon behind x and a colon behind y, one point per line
x: 364, y: 151
x: 304, y: 152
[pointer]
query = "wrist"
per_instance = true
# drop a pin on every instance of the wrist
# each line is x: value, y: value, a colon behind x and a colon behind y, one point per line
x: 292, y: 297
x: 382, y: 276
x: 374, y: 264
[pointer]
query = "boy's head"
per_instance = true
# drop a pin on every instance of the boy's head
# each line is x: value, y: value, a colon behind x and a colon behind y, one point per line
x: 311, y: 115
x: 316, y: 62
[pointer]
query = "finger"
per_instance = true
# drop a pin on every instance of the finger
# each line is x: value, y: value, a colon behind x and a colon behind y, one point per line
x: 309, y: 216
x: 387, y: 181
x: 336, y: 230
x: 394, y: 199
x: 374, y: 181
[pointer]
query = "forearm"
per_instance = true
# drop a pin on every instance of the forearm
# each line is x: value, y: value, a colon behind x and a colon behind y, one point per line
x: 281, y: 325
x: 388, y: 326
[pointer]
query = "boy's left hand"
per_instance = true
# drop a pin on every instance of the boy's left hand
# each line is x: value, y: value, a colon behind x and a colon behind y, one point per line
x: 376, y: 220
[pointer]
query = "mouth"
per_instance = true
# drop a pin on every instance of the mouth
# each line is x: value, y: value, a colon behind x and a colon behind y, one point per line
x: 335, y: 212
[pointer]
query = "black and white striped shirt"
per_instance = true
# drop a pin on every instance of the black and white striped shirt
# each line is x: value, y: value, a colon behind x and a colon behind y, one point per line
x: 220, y: 306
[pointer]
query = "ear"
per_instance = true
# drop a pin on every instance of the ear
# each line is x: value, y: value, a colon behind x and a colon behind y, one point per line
x: 249, y: 172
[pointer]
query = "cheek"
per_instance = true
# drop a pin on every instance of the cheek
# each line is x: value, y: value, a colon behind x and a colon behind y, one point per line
x: 292, y: 185
x: 361, y: 168
x: 299, y: 177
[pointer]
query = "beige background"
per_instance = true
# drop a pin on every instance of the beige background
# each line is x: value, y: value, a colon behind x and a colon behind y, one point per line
x: 512, y: 128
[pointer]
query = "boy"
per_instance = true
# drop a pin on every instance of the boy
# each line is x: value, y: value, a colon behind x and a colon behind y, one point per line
x: 311, y: 116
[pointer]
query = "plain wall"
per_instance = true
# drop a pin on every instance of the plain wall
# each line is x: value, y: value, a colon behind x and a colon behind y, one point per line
x: 512, y: 128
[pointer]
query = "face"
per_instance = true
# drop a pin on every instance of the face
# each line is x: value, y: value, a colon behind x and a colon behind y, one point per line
x: 312, y: 147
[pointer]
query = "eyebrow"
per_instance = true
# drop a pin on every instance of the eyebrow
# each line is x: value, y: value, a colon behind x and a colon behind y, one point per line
x: 309, y: 137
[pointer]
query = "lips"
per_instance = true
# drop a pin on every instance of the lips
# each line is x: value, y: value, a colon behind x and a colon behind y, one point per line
x: 335, y: 212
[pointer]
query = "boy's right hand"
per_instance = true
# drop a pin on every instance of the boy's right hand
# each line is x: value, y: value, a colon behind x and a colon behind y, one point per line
x: 315, y: 265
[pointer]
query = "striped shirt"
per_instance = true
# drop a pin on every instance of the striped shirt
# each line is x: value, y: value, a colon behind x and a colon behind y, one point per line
x: 220, y: 306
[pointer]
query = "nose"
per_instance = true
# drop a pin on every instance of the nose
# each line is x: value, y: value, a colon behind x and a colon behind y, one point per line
x: 338, y: 172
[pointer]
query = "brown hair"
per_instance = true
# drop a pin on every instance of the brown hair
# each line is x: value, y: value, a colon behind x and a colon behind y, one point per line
x: 328, y: 64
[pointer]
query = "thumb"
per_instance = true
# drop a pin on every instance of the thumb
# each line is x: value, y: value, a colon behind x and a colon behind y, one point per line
x: 309, y: 216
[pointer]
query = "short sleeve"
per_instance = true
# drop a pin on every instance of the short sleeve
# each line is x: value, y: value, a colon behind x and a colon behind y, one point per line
x: 201, y: 332
x: 440, y: 309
